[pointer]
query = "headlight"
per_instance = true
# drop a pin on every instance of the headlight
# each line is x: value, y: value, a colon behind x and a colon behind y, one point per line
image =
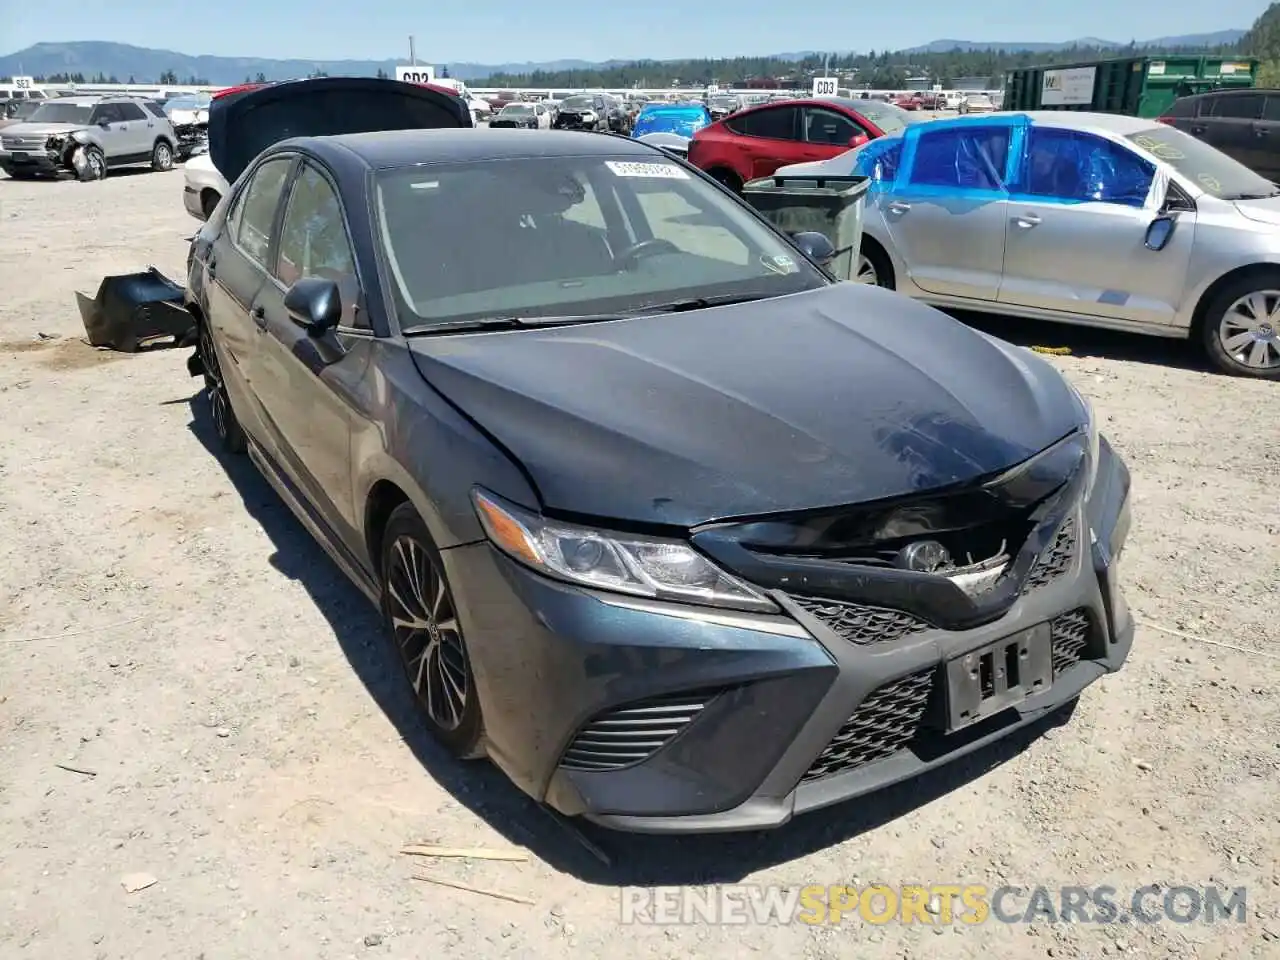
x: 1090, y: 425
x: 589, y: 115
x: 642, y: 566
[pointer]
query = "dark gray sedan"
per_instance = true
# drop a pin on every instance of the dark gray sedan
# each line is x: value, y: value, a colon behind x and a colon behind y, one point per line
x: 680, y: 532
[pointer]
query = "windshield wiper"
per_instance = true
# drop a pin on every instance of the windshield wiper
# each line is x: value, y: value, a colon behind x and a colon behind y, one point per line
x: 505, y: 323
x: 697, y: 303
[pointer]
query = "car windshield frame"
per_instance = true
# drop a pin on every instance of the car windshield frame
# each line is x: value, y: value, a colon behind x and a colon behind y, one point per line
x: 773, y: 266
x: 1206, y: 167
x: 61, y: 111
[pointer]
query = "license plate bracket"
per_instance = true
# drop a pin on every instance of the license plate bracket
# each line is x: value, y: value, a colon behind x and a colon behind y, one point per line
x: 1000, y: 675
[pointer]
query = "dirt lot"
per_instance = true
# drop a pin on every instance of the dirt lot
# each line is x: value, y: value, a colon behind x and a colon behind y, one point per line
x: 167, y: 626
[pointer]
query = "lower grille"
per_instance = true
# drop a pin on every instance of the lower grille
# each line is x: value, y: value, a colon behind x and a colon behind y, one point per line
x: 884, y: 723
x: 630, y: 734
x: 859, y: 624
x: 1056, y: 560
x: 1071, y: 634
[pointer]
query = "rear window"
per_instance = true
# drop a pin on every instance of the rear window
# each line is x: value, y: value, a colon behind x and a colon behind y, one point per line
x: 1212, y: 170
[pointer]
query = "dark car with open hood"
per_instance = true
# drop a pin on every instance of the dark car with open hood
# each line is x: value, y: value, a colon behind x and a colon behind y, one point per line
x: 680, y: 532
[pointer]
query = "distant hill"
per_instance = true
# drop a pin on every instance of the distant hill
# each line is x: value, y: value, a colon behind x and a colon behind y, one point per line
x: 145, y: 65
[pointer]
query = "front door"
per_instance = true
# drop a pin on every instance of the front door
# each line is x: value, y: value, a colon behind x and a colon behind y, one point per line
x: 113, y: 131
x: 1077, y: 223
x: 307, y: 384
x: 945, y: 214
x: 827, y: 133
x: 237, y: 270
x: 138, y: 127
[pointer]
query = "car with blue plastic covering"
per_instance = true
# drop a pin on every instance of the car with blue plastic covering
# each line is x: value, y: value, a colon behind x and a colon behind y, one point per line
x: 1096, y: 219
x: 670, y: 126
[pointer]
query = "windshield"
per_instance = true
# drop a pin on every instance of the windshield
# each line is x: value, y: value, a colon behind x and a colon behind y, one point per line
x: 55, y: 112
x: 578, y: 103
x: 516, y: 109
x: 1207, y: 167
x: 886, y: 116
x: 188, y: 103
x: 559, y: 236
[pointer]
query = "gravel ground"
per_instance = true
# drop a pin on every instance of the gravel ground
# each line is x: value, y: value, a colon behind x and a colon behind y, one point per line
x: 167, y: 626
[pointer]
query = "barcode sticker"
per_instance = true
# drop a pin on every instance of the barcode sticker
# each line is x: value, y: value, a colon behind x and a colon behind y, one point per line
x: 628, y: 168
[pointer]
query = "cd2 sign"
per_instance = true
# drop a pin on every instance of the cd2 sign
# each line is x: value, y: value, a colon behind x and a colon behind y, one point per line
x: 825, y: 86
x: 415, y: 74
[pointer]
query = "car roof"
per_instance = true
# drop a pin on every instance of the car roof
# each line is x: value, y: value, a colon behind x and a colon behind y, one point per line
x: 1108, y: 123
x: 403, y: 148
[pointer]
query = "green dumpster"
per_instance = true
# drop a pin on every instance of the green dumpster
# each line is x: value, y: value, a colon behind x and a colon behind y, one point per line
x: 830, y: 205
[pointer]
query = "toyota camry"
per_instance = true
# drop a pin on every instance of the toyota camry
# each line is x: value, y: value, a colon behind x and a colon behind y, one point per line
x: 678, y: 531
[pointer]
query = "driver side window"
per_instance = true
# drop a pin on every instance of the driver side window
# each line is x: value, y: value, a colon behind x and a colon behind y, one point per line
x: 313, y: 240
x: 829, y: 127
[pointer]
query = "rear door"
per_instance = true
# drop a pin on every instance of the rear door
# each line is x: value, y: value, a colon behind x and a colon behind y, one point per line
x: 1227, y: 121
x: 307, y: 384
x: 243, y: 123
x: 139, y: 127
x: 1267, y: 133
x: 766, y: 139
x: 237, y: 269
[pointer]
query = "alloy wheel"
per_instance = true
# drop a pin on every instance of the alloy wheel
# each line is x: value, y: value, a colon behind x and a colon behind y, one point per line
x: 866, y: 271
x: 219, y: 405
x: 94, y: 161
x: 1249, y: 331
x: 163, y: 156
x: 427, y: 634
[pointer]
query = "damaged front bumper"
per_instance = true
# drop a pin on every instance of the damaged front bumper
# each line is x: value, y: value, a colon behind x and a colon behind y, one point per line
x: 59, y: 153
x: 193, y: 138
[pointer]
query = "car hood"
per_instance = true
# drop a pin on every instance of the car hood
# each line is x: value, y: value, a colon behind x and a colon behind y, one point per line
x: 1261, y: 211
x: 28, y: 129
x: 840, y: 395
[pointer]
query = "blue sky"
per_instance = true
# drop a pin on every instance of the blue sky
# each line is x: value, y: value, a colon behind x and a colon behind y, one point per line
x: 497, y: 31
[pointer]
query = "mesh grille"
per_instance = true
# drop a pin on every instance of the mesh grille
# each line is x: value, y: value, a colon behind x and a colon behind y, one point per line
x: 1070, y: 633
x: 860, y: 624
x: 881, y: 726
x: 625, y: 735
x: 1056, y: 560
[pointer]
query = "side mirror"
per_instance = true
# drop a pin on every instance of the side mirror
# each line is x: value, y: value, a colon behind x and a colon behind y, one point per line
x: 104, y: 123
x: 815, y: 246
x: 315, y: 304
x: 858, y: 139
x: 1159, y: 232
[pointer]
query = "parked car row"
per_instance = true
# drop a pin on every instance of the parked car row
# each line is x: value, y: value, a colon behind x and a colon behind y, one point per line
x: 687, y: 588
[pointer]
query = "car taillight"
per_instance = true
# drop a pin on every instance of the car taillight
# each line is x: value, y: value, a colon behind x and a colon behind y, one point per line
x: 240, y: 88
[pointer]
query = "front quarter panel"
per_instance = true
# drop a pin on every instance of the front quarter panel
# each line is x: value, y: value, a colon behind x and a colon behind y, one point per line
x: 1225, y: 241
x: 417, y: 440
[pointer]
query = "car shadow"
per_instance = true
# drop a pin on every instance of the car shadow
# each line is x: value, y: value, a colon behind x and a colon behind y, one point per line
x: 1079, y: 341
x: 591, y: 854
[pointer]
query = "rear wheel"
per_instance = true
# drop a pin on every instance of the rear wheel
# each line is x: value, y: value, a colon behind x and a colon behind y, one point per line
x: 423, y: 622
x: 225, y: 425
x: 1241, y: 327
x: 162, y: 156
x: 728, y: 178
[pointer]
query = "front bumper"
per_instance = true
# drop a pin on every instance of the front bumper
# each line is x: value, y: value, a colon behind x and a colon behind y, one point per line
x: 574, y: 121
x: 36, y: 161
x: 739, y: 721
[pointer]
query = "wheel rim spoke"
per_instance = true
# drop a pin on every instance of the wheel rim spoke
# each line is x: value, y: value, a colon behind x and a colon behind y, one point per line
x: 1249, y: 331
x: 427, y: 633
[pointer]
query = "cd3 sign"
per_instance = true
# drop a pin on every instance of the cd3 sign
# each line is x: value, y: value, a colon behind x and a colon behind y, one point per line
x: 415, y: 73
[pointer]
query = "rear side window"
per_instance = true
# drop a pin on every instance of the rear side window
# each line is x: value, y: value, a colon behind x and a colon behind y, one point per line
x: 1272, y: 110
x: 1184, y: 107
x: 1246, y: 106
x: 1074, y: 166
x: 257, y: 208
x: 972, y: 158
x: 775, y: 123
x: 879, y: 160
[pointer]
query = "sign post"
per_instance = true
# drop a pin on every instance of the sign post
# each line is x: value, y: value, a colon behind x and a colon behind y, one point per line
x: 825, y: 86
x: 415, y: 73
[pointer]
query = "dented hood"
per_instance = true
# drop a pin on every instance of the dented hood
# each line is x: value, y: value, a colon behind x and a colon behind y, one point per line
x: 841, y: 395
x: 243, y: 123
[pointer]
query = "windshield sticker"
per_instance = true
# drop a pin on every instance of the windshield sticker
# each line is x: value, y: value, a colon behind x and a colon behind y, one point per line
x: 629, y: 168
x: 780, y: 264
x: 1157, y: 148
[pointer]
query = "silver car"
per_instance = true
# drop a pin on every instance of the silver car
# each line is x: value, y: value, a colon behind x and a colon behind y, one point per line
x: 1094, y: 219
x: 88, y: 136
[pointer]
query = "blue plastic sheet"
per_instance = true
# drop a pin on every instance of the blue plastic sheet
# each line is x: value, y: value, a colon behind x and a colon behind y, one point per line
x: 682, y: 120
x: 964, y: 158
x: 1074, y: 167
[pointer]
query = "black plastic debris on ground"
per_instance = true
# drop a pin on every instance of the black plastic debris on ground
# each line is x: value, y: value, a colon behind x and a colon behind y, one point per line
x: 134, y: 309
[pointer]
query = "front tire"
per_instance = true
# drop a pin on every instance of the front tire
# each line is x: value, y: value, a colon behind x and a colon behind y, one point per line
x: 95, y: 165
x: 161, y: 156
x: 423, y: 623
x: 1241, y: 327
x: 225, y: 425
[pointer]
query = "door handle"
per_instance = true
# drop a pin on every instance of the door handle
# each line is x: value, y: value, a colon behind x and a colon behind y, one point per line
x: 1197, y: 131
x: 1261, y: 132
x: 1026, y: 221
x: 259, y: 315
x: 899, y: 206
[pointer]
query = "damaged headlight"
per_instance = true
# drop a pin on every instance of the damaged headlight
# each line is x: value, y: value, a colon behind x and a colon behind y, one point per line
x: 626, y: 563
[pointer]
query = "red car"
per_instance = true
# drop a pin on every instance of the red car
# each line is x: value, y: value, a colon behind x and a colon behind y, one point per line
x: 755, y: 142
x: 909, y: 101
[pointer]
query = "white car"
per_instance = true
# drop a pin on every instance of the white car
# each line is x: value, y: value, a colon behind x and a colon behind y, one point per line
x: 979, y: 103
x: 204, y: 186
